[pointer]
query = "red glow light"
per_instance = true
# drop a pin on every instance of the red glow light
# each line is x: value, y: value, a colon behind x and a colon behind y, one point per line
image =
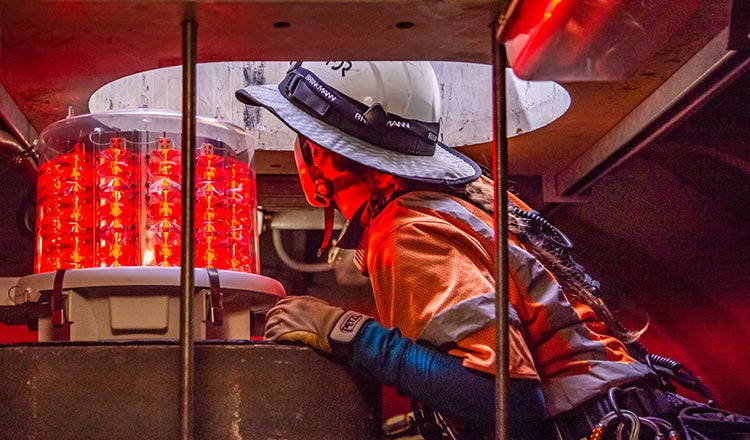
x: 210, y: 227
x: 65, y: 213
x: 117, y: 226
x: 165, y: 210
x: 583, y: 40
x: 97, y: 206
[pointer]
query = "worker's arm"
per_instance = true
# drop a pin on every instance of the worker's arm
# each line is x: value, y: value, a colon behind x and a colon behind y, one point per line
x: 434, y: 378
x: 440, y: 380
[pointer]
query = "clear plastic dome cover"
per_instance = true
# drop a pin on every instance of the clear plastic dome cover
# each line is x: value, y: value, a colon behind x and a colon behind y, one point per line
x: 109, y: 193
x: 61, y: 136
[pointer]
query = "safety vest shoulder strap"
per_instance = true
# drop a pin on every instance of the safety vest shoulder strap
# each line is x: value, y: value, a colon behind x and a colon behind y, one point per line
x: 448, y: 207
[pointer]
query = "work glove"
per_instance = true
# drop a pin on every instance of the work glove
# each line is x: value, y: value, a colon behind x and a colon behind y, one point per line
x: 313, y: 322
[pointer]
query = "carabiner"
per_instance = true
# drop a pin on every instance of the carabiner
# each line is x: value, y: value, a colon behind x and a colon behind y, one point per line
x: 624, y: 416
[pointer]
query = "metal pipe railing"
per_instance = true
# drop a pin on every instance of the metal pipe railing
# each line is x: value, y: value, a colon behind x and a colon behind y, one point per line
x: 187, y: 271
x: 500, y: 165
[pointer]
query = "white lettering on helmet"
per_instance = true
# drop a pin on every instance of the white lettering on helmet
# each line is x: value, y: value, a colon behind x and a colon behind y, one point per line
x: 401, y: 124
x: 320, y: 88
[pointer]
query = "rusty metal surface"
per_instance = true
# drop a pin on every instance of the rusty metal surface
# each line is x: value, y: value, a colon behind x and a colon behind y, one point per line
x: 130, y: 390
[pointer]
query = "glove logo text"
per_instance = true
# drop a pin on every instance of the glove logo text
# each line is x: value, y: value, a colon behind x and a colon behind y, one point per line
x: 350, y: 323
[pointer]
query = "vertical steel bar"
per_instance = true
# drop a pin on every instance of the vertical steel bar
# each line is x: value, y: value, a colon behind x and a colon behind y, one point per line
x: 500, y: 159
x: 187, y: 271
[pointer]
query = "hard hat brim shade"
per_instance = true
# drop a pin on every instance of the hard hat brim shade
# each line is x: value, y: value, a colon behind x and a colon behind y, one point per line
x: 446, y: 166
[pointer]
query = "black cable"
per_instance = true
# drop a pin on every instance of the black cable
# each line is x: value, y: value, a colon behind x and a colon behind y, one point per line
x: 558, y: 244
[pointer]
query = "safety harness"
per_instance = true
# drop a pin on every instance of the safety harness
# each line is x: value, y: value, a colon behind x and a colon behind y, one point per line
x: 646, y: 411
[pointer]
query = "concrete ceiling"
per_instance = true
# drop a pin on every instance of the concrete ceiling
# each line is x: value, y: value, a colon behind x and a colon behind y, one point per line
x: 55, y: 54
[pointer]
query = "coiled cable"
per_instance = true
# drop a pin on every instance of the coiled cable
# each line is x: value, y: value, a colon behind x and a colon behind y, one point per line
x: 551, y: 246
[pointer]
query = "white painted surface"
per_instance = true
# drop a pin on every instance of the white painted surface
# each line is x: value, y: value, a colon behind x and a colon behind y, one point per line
x: 466, y: 91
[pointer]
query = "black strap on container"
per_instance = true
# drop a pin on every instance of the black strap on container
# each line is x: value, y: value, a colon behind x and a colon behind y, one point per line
x: 56, y: 303
x: 215, y: 306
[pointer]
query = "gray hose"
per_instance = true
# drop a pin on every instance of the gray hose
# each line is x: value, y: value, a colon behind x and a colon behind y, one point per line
x: 23, y: 155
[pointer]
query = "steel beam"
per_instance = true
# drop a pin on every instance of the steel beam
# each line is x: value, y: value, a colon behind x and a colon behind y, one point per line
x: 129, y: 390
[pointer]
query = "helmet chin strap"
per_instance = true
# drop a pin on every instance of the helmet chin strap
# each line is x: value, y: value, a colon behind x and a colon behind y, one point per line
x: 328, y: 212
x: 323, y: 193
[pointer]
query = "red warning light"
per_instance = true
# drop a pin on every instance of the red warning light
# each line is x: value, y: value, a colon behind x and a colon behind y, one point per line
x: 115, y: 199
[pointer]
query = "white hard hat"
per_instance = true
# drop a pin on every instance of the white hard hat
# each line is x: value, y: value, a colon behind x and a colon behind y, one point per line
x: 407, y: 89
x: 381, y: 114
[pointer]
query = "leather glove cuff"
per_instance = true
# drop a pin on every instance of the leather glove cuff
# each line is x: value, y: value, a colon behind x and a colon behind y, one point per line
x: 345, y: 331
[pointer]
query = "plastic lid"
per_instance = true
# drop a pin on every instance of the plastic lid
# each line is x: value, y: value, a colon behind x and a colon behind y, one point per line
x: 60, y: 137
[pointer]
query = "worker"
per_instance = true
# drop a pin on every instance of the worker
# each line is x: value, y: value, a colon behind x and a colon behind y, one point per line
x: 420, y: 218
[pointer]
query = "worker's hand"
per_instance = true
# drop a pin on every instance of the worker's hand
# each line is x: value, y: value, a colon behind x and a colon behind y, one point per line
x: 311, y: 321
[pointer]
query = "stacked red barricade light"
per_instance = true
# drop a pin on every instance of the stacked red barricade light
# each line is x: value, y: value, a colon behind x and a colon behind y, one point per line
x: 116, y: 211
x: 164, y: 232
x: 210, y: 210
x: 65, y: 212
x: 113, y: 201
x: 242, y: 206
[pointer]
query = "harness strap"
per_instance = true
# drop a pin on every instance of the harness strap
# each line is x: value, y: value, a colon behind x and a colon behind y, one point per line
x: 643, y: 401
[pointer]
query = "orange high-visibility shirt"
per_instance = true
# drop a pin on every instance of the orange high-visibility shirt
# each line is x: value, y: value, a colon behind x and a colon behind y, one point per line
x: 431, y: 259
x: 421, y: 263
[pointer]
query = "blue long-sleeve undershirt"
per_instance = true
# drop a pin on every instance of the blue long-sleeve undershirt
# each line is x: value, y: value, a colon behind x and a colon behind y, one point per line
x: 440, y: 380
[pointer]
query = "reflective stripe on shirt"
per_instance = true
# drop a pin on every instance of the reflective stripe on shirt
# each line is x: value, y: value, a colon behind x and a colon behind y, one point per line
x: 470, y: 315
x: 440, y: 203
x: 464, y: 318
x: 543, y: 289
